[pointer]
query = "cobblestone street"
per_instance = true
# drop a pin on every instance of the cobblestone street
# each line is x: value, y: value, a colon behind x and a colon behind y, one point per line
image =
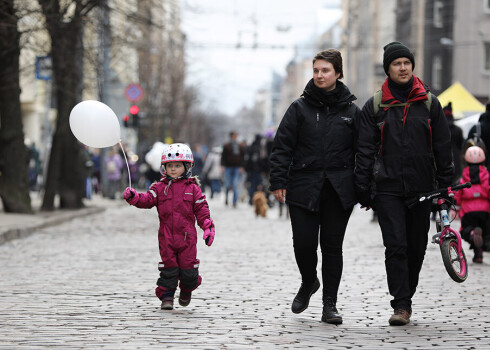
x: 89, y: 283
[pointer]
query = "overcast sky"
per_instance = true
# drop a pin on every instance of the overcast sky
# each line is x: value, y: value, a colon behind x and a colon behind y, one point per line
x: 221, y: 35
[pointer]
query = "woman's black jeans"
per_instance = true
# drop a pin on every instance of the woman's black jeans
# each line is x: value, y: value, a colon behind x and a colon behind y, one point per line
x: 330, y: 222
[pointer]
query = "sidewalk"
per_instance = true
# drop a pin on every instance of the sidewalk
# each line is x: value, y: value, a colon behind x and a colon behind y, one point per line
x: 14, y: 226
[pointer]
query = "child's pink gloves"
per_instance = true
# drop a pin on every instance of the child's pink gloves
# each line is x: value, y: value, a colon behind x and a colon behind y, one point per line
x: 208, y: 235
x: 130, y: 195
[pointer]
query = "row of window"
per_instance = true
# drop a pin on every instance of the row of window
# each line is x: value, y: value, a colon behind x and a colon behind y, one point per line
x: 437, y: 60
x: 437, y: 18
x: 437, y: 65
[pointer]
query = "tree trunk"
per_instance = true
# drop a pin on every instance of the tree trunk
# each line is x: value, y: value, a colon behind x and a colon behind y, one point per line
x: 14, y: 181
x: 66, y: 172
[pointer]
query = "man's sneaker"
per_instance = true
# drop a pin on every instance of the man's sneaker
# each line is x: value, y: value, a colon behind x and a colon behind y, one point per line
x: 478, y: 258
x: 302, y: 299
x: 477, y: 237
x: 400, y: 317
x: 330, y: 313
x: 167, y: 303
x: 185, y: 298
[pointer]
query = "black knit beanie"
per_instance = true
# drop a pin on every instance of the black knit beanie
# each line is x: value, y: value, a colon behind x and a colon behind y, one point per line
x: 396, y: 50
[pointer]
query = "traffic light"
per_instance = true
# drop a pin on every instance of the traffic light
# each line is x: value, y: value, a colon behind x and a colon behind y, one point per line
x: 126, y: 121
x: 134, y: 110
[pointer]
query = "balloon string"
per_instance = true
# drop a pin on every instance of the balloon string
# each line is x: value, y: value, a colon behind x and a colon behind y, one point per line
x: 127, y: 164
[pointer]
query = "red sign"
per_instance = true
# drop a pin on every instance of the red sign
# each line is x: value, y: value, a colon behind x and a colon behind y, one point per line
x: 134, y: 92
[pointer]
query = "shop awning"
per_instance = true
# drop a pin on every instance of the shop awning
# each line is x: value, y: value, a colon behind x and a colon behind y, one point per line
x: 463, y: 102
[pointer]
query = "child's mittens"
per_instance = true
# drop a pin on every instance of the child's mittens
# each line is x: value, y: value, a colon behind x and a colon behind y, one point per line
x: 208, y: 235
x: 130, y: 195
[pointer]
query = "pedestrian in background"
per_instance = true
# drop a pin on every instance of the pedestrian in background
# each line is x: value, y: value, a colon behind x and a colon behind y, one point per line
x: 96, y: 179
x: 457, y: 141
x: 199, y: 157
x: 114, y: 165
x: 474, y: 202
x: 233, y: 161
x: 89, y: 169
x: 212, y: 170
x: 481, y: 132
x: 254, y: 165
x: 33, y: 165
x: 312, y: 170
x: 179, y: 203
x: 404, y: 149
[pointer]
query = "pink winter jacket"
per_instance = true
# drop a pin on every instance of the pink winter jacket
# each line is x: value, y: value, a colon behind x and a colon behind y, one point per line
x: 475, y: 198
x: 179, y: 203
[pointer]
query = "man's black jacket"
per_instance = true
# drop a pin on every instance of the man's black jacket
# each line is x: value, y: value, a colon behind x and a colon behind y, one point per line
x: 403, y: 155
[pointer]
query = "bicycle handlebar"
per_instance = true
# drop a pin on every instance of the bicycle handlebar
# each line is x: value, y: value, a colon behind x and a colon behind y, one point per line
x: 437, y: 193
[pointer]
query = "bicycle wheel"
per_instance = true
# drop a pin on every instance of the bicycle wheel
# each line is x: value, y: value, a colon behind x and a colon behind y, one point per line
x: 456, y: 268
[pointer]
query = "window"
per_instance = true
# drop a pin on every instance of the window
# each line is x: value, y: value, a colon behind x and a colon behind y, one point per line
x: 438, y: 6
x: 486, y: 57
x: 437, y: 72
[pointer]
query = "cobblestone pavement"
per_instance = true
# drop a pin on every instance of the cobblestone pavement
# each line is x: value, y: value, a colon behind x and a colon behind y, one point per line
x: 89, y: 283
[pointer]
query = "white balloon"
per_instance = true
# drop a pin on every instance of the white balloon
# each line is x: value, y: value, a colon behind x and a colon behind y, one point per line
x: 95, y: 124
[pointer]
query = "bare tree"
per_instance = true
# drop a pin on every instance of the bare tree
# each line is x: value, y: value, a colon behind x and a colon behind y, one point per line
x: 66, y: 173
x: 161, y: 71
x: 14, y: 186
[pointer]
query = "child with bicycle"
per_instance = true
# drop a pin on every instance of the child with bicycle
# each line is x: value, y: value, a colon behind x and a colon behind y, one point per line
x: 179, y: 202
x: 474, y: 202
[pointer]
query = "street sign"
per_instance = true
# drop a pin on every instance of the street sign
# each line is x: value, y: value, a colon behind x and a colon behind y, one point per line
x: 43, y: 67
x: 134, y: 92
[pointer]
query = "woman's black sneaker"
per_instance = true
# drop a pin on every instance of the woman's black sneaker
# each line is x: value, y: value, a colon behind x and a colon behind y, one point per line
x: 302, y: 299
x: 330, y: 313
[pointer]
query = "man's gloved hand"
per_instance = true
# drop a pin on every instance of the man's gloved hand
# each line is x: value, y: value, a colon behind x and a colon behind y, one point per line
x: 364, y: 198
x: 130, y: 195
x: 208, y: 235
x: 449, y: 198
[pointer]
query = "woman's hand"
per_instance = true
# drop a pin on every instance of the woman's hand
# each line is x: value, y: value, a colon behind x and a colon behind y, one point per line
x: 280, y: 194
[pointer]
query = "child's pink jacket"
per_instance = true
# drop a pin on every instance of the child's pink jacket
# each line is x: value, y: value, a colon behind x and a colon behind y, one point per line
x: 475, y: 198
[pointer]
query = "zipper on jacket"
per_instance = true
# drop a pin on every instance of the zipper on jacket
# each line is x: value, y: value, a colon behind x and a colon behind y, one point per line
x: 430, y: 129
x: 381, y: 141
x: 185, y: 236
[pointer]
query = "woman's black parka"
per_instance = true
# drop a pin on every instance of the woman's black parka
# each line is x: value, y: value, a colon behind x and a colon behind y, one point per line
x: 313, y: 142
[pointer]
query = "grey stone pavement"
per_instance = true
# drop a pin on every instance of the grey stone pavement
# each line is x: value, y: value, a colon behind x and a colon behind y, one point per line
x: 85, y: 280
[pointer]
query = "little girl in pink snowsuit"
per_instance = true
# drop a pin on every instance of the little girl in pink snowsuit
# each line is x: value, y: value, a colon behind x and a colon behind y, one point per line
x: 474, y: 201
x: 179, y: 203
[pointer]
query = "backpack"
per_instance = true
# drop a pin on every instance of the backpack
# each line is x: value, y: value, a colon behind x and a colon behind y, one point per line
x: 378, y: 96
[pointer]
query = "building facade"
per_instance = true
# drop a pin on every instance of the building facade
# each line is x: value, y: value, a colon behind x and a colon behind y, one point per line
x: 471, y: 47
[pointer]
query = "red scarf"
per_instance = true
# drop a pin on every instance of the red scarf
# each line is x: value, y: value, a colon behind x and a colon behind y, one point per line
x: 418, y: 93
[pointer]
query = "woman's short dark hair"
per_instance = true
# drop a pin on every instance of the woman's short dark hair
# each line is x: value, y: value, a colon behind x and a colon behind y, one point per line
x: 334, y: 57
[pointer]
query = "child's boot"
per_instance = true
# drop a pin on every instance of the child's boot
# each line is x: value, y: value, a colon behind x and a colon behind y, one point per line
x: 477, y: 237
x: 477, y: 240
x: 184, y: 298
x: 167, y: 303
x: 478, y: 258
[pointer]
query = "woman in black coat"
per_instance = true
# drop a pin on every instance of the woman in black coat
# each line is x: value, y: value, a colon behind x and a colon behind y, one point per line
x: 312, y: 170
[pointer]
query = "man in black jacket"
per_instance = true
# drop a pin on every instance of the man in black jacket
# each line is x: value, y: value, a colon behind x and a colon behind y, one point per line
x: 403, y: 150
